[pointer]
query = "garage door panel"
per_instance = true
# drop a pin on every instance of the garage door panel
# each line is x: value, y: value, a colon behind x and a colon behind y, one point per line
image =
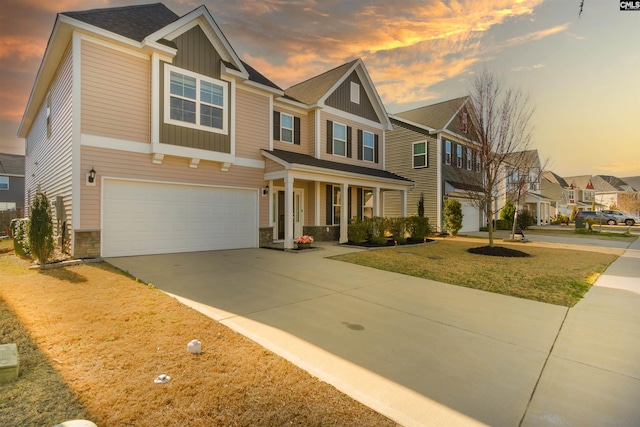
x: 150, y: 218
x: 471, y: 217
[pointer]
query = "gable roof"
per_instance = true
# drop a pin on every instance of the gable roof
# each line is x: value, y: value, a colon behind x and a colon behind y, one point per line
x: 134, y: 22
x: 436, y: 116
x: 312, y: 90
x: 11, y: 164
x: 610, y: 183
x: 580, y: 181
x: 306, y: 160
x: 554, y: 178
x: 633, y: 181
x: 524, y: 159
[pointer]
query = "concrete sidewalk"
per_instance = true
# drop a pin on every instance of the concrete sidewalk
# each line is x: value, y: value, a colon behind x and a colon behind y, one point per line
x: 418, y: 351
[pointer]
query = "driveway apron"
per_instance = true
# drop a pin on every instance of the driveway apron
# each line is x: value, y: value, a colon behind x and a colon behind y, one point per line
x: 418, y: 351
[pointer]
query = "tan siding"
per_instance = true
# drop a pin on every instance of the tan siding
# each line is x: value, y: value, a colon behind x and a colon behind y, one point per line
x: 271, y: 166
x: 355, y: 126
x: 252, y: 124
x: 312, y: 133
x: 48, y: 161
x: 116, y: 94
x: 303, y: 148
x: 123, y: 164
x: 399, y: 159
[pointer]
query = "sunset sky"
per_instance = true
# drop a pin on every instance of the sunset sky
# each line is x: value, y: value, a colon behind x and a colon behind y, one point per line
x: 583, y: 72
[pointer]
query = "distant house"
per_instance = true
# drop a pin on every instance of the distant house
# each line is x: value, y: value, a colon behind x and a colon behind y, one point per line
x: 608, y: 188
x: 157, y: 138
x: 441, y: 136
x: 11, y: 189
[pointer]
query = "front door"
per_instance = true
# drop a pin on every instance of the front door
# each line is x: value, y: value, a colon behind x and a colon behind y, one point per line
x: 298, y: 212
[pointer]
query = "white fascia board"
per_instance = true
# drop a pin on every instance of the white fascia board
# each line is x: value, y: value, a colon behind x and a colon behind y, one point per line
x: 269, y: 89
x: 409, y: 122
x: 448, y: 134
x: 372, y: 93
x: 353, y: 117
x: 294, y: 103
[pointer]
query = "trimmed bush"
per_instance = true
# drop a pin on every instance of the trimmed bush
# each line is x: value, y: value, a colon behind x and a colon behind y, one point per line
x: 41, y: 228
x: 418, y: 227
x: 525, y: 220
x: 357, y: 230
x: 452, y: 216
x: 397, y: 228
x: 20, y: 232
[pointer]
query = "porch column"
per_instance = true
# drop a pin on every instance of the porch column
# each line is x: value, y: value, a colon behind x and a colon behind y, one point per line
x: 344, y: 213
x: 376, y: 201
x: 318, y: 203
x: 539, y: 214
x: 288, y: 212
x: 403, y: 203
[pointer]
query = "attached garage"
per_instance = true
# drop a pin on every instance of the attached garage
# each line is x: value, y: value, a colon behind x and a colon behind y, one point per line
x: 470, y: 217
x: 140, y: 218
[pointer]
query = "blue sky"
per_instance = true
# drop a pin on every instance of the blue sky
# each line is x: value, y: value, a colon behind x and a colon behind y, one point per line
x: 583, y: 73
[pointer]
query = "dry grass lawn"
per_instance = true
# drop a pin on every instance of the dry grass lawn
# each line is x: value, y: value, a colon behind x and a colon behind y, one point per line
x: 555, y: 276
x: 107, y: 337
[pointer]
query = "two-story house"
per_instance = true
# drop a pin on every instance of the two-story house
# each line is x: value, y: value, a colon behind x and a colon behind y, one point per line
x: 158, y: 138
x: 452, y: 162
x: 569, y: 194
x: 11, y: 190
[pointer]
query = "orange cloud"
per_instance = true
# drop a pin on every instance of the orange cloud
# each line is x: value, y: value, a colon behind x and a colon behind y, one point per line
x: 21, y: 47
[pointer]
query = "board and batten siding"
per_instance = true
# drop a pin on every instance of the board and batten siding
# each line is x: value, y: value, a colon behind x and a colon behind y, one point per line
x: 353, y: 160
x: 341, y: 99
x: 48, y: 161
x: 123, y: 164
x: 399, y: 160
x: 116, y: 94
x: 252, y: 124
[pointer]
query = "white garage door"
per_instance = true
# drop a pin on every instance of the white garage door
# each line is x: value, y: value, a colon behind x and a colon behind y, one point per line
x: 471, y: 217
x: 151, y: 218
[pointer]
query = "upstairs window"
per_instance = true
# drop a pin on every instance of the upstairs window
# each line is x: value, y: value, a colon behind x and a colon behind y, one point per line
x: 195, y: 101
x: 447, y: 152
x: 459, y: 155
x: 469, y: 158
x: 4, y: 182
x: 419, y: 155
x: 286, y: 127
x: 368, y: 146
x: 339, y: 139
x: 478, y: 162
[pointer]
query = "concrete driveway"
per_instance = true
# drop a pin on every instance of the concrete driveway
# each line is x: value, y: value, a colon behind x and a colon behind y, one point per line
x: 419, y: 351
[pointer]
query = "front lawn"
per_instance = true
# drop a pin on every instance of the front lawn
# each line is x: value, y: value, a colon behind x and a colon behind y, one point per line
x: 555, y: 276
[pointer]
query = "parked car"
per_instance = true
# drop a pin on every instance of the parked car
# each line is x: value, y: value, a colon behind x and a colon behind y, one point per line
x: 601, y: 217
x: 621, y: 216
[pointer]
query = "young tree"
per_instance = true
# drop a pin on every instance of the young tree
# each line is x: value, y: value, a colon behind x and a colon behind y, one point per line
x: 502, y: 133
x: 629, y: 203
x: 452, y: 216
x: 40, y: 228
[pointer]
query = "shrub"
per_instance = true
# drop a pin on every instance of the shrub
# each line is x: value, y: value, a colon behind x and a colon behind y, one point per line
x: 560, y: 219
x: 41, y: 228
x: 503, y: 224
x: 418, y: 227
x: 378, y: 227
x: 397, y: 228
x: 525, y: 220
x: 379, y: 240
x: 507, y: 213
x: 452, y: 216
x: 357, y: 230
x: 20, y: 232
x: 421, y: 205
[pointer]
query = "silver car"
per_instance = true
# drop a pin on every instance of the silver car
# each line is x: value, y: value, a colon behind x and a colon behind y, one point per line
x: 621, y: 216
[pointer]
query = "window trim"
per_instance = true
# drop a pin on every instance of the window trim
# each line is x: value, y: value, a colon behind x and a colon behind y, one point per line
x: 478, y: 163
x: 459, y: 156
x: 372, y: 147
x: 334, y: 139
x: 469, y: 158
x: 199, y: 78
x: 425, y: 154
x: 448, y: 152
x: 282, y: 128
x: 2, y: 186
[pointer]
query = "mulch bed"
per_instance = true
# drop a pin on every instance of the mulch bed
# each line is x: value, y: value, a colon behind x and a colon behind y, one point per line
x: 498, y: 251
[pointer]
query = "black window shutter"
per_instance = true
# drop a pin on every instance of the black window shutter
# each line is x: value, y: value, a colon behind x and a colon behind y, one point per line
x: 329, y: 220
x: 360, y: 203
x: 375, y: 147
x: 296, y: 130
x: 360, y: 137
x: 276, y: 126
x: 349, y: 148
x: 349, y: 203
x: 329, y: 137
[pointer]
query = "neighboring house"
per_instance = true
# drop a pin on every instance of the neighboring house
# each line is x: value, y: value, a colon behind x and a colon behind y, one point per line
x: 12, y: 183
x: 458, y: 165
x: 608, y: 188
x: 156, y: 138
x: 522, y: 185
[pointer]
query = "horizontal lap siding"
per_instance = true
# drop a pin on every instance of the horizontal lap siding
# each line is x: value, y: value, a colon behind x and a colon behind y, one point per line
x: 399, y: 159
x: 355, y: 126
x: 48, y: 160
x: 303, y: 147
x: 123, y: 164
x: 252, y: 124
x: 116, y: 94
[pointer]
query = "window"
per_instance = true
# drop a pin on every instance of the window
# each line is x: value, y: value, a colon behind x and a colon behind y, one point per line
x: 459, y: 155
x: 478, y: 163
x: 355, y: 93
x: 469, y: 158
x: 4, y: 182
x: 339, y: 139
x: 571, y: 196
x: 447, y: 152
x: 367, y: 203
x: 7, y: 206
x: 337, y: 202
x: 419, y: 155
x: 195, y: 101
x: 286, y: 127
x: 368, y: 146
x: 48, y: 115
